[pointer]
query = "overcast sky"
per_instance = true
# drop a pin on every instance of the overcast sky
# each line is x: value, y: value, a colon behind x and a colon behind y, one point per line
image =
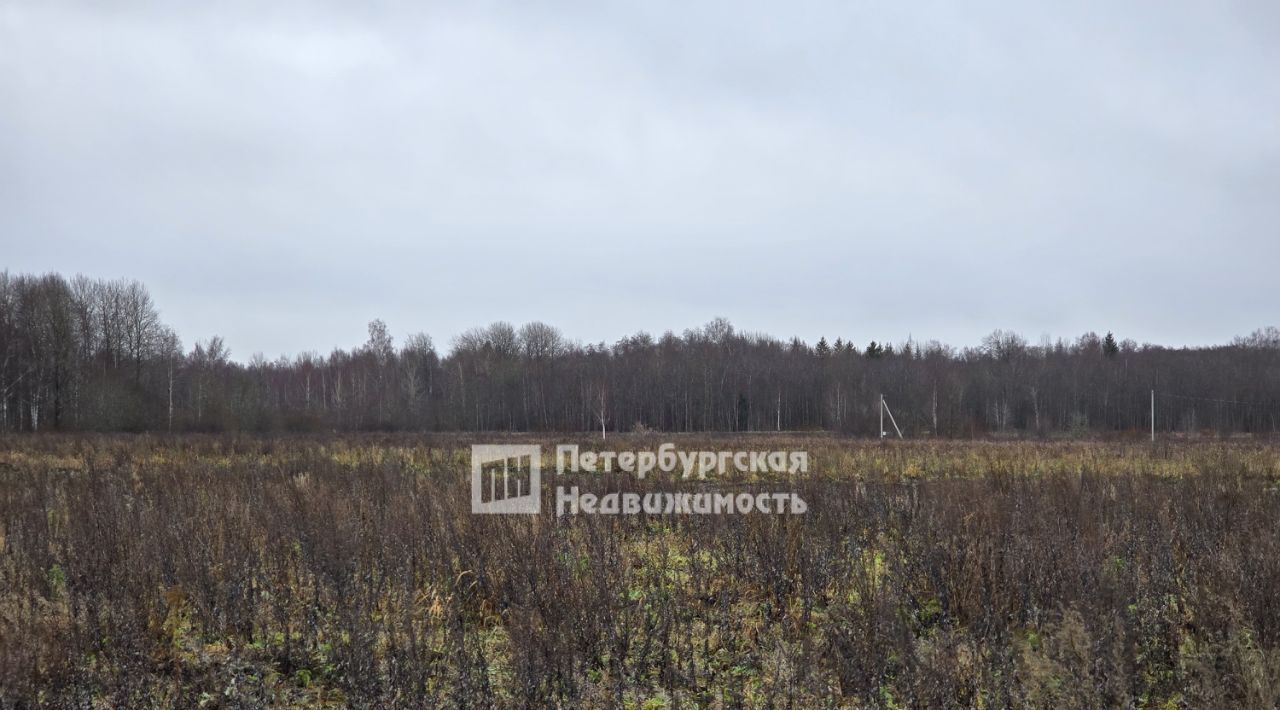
x: 281, y: 173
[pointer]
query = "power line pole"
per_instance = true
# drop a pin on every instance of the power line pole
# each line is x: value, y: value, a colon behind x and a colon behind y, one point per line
x: 885, y: 408
x: 891, y: 419
x: 1153, y: 416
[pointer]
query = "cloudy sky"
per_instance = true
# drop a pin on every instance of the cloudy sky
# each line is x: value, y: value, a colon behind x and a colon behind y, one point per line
x: 281, y: 173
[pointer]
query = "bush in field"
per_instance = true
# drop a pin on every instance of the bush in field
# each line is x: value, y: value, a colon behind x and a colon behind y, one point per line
x: 147, y: 572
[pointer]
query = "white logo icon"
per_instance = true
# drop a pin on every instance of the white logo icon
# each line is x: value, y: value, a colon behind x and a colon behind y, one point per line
x: 506, y: 479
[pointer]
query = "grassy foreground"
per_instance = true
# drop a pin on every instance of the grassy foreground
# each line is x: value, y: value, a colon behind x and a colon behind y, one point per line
x: 226, y: 572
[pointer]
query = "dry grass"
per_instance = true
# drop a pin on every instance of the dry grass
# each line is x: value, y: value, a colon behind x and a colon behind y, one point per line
x: 142, y: 571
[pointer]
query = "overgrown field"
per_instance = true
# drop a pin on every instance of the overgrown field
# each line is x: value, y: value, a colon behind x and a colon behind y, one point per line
x: 220, y: 571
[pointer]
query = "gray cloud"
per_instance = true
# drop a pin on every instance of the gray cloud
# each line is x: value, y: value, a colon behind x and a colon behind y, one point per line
x: 280, y: 176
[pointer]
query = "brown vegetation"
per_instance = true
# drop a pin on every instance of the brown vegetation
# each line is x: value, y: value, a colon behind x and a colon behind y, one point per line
x: 141, y: 571
x: 88, y: 355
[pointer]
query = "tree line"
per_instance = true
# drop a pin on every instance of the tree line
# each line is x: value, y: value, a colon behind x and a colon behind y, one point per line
x: 86, y: 354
